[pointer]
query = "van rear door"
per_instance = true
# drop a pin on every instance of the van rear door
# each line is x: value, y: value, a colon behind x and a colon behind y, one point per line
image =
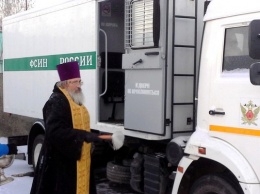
x: 144, y: 64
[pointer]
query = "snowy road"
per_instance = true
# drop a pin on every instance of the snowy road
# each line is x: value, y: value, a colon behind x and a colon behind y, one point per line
x: 22, y: 185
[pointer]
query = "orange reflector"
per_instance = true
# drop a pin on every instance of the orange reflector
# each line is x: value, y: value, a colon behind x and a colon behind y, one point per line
x: 202, y: 150
x: 180, y: 169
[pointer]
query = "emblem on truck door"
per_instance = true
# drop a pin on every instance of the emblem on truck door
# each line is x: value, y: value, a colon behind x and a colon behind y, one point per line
x: 249, y: 113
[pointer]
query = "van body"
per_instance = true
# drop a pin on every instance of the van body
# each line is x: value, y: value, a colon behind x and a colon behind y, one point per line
x: 188, y: 110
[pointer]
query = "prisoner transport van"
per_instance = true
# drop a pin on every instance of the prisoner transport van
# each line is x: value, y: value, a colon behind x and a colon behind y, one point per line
x: 189, y: 111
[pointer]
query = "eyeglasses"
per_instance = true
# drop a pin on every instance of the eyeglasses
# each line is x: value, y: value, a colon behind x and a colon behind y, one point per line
x: 76, y: 82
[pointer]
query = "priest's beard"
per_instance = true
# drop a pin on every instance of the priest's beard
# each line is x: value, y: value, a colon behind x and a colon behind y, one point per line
x: 77, y: 96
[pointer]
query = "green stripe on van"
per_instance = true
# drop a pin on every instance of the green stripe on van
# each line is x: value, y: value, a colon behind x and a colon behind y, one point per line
x: 87, y: 60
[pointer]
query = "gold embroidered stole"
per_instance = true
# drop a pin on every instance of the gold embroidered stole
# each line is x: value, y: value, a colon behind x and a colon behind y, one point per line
x: 80, y: 119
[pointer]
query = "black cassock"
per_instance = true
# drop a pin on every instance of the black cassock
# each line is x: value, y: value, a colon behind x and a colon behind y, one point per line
x: 56, y: 170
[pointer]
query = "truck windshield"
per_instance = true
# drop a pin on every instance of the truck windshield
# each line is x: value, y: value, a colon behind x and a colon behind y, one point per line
x: 236, y: 54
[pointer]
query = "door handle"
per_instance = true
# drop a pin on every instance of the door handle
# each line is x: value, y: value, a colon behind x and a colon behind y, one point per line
x: 139, y: 61
x: 105, y: 34
x: 213, y: 112
x: 151, y: 53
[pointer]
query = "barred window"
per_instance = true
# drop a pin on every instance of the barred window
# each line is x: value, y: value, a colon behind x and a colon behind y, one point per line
x: 141, y: 23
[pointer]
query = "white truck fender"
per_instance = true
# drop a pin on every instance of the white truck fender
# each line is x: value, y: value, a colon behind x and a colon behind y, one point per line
x: 222, y: 152
x: 184, y: 163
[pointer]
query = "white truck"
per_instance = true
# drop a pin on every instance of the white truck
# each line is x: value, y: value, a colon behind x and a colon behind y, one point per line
x: 189, y: 111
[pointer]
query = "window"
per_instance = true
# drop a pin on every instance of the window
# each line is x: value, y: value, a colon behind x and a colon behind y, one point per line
x: 236, y: 54
x: 142, y: 23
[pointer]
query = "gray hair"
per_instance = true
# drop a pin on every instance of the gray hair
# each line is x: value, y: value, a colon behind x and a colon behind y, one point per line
x: 62, y: 83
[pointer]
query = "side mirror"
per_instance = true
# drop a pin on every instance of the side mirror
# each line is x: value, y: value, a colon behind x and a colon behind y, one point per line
x: 255, y: 73
x: 254, y: 39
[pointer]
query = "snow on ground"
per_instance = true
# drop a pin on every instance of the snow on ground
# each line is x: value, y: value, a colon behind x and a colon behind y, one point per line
x: 20, y: 185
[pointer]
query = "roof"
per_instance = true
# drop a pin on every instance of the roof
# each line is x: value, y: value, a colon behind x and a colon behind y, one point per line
x: 224, y: 8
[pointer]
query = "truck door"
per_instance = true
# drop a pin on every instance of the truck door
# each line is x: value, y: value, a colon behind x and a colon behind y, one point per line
x: 145, y: 66
x: 231, y: 81
x: 234, y: 101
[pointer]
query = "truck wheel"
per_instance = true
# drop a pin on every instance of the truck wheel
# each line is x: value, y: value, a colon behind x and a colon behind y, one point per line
x: 213, y: 184
x: 118, y: 173
x: 37, y: 145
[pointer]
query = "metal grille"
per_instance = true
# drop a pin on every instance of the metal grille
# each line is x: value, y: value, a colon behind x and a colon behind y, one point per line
x: 139, y: 23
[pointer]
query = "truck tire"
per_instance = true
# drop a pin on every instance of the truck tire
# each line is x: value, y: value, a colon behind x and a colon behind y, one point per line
x: 118, y: 173
x: 214, y: 184
x: 37, y: 145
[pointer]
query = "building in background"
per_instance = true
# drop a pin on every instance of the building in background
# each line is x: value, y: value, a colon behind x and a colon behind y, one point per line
x: 1, y: 52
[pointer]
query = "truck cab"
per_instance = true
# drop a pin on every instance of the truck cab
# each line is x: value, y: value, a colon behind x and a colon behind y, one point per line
x: 222, y: 149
